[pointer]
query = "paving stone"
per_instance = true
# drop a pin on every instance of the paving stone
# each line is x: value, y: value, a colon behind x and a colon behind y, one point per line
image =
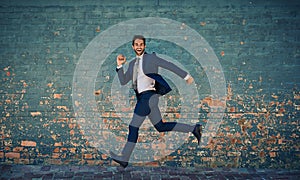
x: 91, y: 172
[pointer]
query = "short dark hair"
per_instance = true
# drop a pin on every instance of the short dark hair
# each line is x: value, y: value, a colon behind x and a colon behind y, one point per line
x: 135, y: 37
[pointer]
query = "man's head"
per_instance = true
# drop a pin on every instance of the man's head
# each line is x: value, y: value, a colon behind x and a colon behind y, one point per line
x: 139, y: 44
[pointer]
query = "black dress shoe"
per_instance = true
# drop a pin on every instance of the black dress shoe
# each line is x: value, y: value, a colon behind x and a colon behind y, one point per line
x: 198, y: 132
x: 114, y: 157
x: 122, y: 163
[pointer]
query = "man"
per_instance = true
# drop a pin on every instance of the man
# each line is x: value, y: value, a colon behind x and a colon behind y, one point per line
x: 148, y: 85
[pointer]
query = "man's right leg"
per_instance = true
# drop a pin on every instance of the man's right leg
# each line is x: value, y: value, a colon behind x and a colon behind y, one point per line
x: 140, y: 112
x: 131, y: 141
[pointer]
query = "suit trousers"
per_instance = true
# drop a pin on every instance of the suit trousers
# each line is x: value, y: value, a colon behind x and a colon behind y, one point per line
x: 147, y: 105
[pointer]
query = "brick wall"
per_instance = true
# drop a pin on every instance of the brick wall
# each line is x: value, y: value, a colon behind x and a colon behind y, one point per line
x: 256, y: 42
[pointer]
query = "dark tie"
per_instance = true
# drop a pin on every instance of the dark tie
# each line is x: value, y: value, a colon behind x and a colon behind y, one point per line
x: 135, y: 73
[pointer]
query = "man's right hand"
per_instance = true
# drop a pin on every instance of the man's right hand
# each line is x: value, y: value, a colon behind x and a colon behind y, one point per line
x: 121, y: 59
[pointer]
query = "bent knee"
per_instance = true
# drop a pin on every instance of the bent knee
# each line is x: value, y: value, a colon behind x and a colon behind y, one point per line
x: 133, y: 134
x: 160, y: 126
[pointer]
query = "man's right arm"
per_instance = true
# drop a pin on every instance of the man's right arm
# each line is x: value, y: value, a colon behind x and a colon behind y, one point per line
x: 124, y: 78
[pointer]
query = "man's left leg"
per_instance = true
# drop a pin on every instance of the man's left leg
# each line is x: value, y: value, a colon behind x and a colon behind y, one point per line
x: 156, y: 120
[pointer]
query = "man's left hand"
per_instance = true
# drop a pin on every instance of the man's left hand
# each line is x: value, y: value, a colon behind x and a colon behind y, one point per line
x: 190, y: 80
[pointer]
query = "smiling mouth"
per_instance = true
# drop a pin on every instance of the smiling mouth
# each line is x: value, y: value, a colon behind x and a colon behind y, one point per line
x: 139, y: 51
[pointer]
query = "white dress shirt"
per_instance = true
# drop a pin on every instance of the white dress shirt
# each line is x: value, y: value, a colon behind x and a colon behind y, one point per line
x: 144, y: 83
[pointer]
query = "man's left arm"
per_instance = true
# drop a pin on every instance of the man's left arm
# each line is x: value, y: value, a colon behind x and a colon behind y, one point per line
x: 175, y: 69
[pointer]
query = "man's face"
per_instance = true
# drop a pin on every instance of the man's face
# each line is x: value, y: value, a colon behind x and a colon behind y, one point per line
x: 139, y: 47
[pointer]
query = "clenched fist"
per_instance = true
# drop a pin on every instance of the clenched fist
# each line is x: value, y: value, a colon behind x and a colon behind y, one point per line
x: 190, y: 80
x: 121, y: 59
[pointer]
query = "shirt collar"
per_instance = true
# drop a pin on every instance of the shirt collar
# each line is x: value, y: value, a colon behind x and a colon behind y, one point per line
x: 141, y: 56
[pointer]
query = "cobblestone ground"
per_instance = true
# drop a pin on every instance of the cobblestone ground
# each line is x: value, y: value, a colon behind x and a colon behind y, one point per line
x: 138, y: 172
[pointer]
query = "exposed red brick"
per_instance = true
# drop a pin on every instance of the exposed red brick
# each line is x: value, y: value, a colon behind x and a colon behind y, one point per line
x: 72, y: 150
x: 28, y: 143
x: 104, y: 156
x: 56, y: 150
x: 8, y: 101
x: 207, y: 159
x: 272, y: 154
x: 18, y: 149
x: 50, y: 85
x: 237, y: 134
x: 76, y: 103
x: 98, y: 92
x: 253, y: 134
x: 57, y: 96
x: 63, y: 107
x: 232, y: 109
x: 241, y: 121
x: 21, y: 161
x: 72, y: 132
x: 152, y: 164
x: 88, y: 156
x: 271, y: 141
x: 234, y: 154
x: 281, y: 141
x: 12, y: 155
x: 222, y: 53
x: 25, y: 84
x: 53, y: 136
x: 115, y: 115
x: 106, y: 114
x: 262, y: 154
x: 177, y: 115
x: 35, y: 114
x: 63, y: 120
x: 64, y: 149
x: 58, y: 144
x: 72, y: 125
x: 233, y: 141
x: 236, y: 115
x: 126, y: 109
x: 219, y: 147
x: 55, y: 155
x: 227, y: 128
x: 260, y: 126
x: 91, y: 162
x: 98, y: 29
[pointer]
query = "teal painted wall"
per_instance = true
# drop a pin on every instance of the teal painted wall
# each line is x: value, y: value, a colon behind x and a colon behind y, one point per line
x: 256, y: 42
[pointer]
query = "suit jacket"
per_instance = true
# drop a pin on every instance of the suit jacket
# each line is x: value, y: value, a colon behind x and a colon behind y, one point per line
x: 151, y: 63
